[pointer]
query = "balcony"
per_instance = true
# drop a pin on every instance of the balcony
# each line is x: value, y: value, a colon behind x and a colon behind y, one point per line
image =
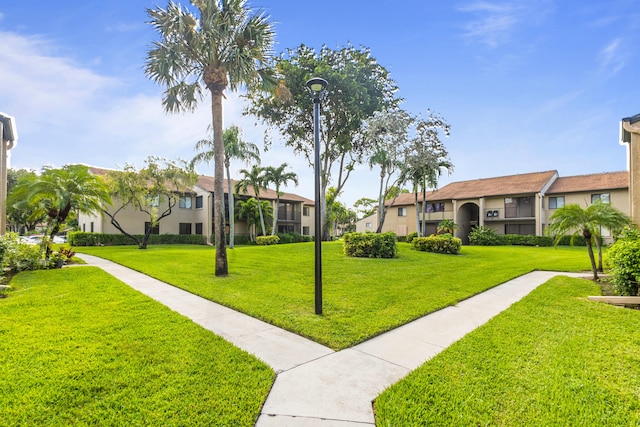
x: 501, y: 214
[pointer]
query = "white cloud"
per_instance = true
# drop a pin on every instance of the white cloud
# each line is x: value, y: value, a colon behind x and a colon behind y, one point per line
x: 612, y: 57
x: 494, y: 23
x: 66, y: 113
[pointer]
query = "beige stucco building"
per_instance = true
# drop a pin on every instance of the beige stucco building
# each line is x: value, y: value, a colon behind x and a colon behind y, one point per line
x: 630, y: 135
x: 515, y: 204
x: 193, y: 214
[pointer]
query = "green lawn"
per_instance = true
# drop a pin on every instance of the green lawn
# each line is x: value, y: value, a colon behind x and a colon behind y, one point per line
x: 361, y: 297
x: 553, y: 359
x: 81, y: 348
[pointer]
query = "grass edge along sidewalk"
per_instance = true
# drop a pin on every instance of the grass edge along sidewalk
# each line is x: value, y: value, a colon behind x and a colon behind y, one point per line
x: 81, y: 348
x: 361, y: 297
x: 553, y: 358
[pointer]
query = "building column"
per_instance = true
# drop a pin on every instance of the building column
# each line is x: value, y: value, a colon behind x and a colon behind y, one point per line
x: 481, y: 214
x: 632, y: 125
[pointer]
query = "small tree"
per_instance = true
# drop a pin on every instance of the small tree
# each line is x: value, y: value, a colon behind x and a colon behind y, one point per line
x: 447, y: 226
x: 573, y: 219
x: 60, y: 191
x: 154, y: 191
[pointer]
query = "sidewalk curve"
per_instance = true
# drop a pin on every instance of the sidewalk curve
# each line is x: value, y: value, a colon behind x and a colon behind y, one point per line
x: 316, y: 386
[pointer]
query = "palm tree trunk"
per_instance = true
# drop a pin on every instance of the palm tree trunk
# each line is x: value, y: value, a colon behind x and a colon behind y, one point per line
x: 232, y: 214
x: 599, y: 246
x: 264, y: 233
x: 275, y: 214
x: 587, y: 239
x: 222, y: 266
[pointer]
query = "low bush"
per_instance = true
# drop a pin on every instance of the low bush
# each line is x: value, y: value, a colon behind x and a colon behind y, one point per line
x: 411, y: 236
x: 440, y: 244
x: 527, y: 240
x: 485, y: 236
x: 267, y: 240
x: 370, y: 245
x: 577, y: 240
x: 624, y: 258
x: 293, y: 238
x: 79, y: 238
x: 20, y: 256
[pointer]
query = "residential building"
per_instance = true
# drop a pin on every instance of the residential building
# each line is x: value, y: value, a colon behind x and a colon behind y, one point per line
x: 515, y: 204
x: 193, y: 214
x: 630, y: 135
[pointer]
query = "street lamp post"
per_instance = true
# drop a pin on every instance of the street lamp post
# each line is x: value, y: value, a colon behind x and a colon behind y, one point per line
x: 317, y: 87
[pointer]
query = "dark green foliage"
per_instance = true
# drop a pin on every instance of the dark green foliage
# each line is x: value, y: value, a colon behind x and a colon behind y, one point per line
x: 293, y: 238
x: 370, y: 245
x: 567, y: 241
x: 624, y: 257
x: 267, y: 240
x: 440, y: 244
x: 527, y: 240
x: 485, y: 236
x: 79, y: 238
x: 411, y: 236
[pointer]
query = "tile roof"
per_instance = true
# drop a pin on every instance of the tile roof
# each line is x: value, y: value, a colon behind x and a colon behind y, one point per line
x: 592, y: 182
x: 206, y: 183
x: 526, y: 183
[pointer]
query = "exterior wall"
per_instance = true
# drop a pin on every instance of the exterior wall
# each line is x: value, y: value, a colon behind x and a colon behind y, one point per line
x: 405, y: 224
x: 634, y: 172
x: 495, y: 215
x: 619, y: 199
x: 308, y: 220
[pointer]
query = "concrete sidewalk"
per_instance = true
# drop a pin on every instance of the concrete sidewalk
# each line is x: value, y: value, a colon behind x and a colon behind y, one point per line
x: 316, y: 386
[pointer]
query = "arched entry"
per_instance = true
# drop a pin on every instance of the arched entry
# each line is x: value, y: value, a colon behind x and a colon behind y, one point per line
x: 468, y: 218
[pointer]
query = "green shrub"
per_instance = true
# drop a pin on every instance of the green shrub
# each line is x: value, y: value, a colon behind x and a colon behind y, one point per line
x: 18, y: 255
x: 527, y: 240
x: 79, y: 238
x: 485, y: 236
x: 267, y: 240
x: 441, y: 244
x: 370, y: 245
x: 411, y: 236
x: 624, y: 258
x: 578, y: 240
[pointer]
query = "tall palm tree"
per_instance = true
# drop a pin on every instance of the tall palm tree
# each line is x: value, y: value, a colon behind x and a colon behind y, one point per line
x: 278, y: 177
x: 586, y: 222
x: 234, y: 148
x: 253, y: 178
x: 227, y: 46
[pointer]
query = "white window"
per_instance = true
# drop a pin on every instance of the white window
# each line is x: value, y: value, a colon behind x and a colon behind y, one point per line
x: 402, y: 211
x: 185, y: 202
x: 556, y: 202
x: 603, y: 197
x: 368, y: 225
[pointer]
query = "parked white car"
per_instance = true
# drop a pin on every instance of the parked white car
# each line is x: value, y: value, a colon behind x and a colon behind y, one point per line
x: 34, y: 239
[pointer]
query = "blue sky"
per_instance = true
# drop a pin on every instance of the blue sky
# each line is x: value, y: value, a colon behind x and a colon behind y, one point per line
x: 527, y: 85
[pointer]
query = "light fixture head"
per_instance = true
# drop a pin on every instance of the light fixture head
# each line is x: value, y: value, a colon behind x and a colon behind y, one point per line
x: 317, y: 87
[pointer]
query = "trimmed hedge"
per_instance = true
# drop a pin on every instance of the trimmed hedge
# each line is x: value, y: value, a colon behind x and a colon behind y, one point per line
x: 79, y: 238
x: 294, y: 238
x: 411, y: 236
x: 440, y: 244
x: 267, y: 240
x: 486, y: 236
x: 370, y: 245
